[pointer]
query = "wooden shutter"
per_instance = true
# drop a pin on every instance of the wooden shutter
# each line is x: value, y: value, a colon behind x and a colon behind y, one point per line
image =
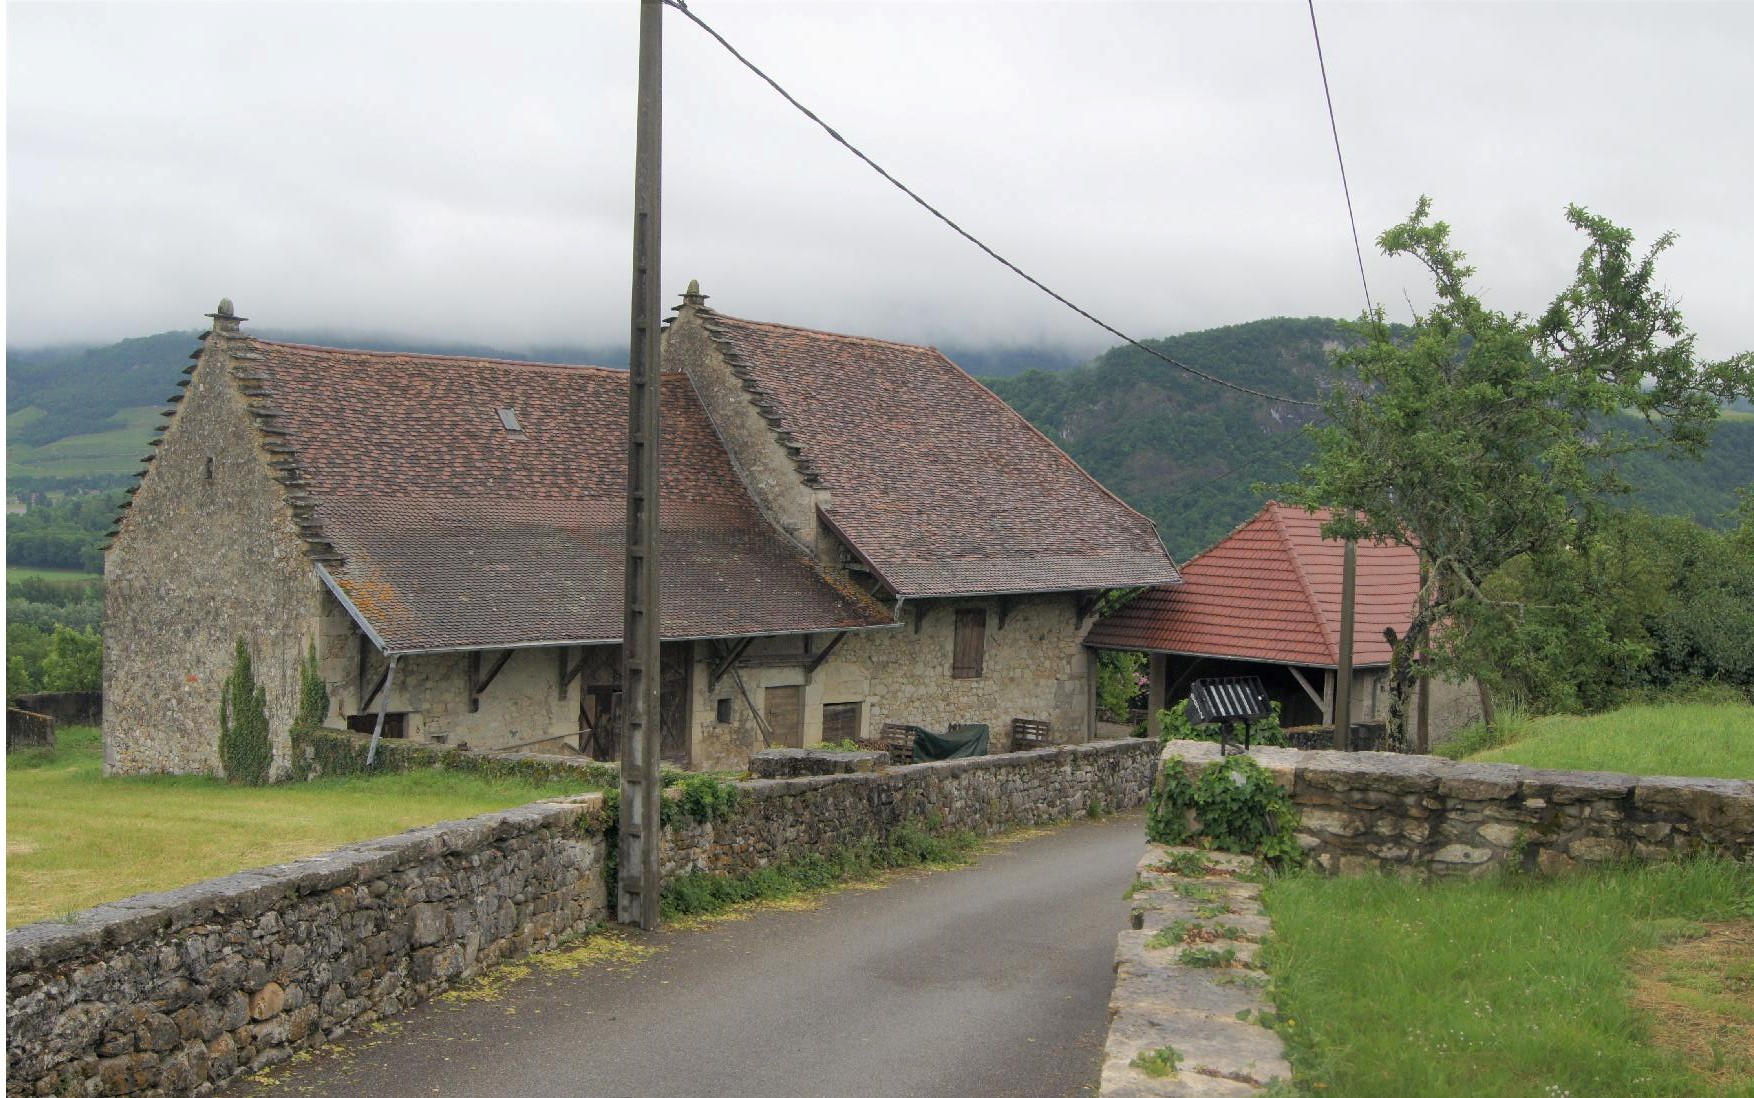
x: 971, y: 644
x: 840, y: 722
x: 783, y: 706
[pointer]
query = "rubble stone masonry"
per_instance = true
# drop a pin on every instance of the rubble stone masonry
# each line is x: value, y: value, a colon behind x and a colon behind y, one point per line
x: 174, y: 993
x: 1426, y: 815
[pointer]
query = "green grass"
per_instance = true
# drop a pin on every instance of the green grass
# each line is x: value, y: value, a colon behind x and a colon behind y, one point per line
x: 1710, y: 740
x: 75, y: 838
x: 118, y: 450
x: 1495, y: 989
x: 53, y: 575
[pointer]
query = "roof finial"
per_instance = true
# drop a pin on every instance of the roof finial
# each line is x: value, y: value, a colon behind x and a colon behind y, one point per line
x: 693, y: 296
x: 225, y: 318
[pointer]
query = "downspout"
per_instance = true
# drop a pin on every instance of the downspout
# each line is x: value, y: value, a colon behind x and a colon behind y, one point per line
x: 371, y: 753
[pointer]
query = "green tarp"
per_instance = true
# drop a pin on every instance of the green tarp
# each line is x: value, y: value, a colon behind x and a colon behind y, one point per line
x: 962, y: 742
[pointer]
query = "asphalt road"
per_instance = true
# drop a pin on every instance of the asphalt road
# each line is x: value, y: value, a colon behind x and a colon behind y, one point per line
x: 991, y: 980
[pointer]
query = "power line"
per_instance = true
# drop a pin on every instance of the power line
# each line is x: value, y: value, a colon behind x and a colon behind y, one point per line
x: 682, y: 6
x: 1369, y: 303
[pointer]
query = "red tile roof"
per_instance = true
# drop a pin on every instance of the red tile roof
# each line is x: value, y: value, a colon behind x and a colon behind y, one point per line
x: 1271, y: 591
x: 934, y: 481
x: 452, y: 531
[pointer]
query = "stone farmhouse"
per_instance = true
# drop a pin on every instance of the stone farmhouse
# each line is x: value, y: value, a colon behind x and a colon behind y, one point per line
x: 1265, y: 601
x: 854, y: 532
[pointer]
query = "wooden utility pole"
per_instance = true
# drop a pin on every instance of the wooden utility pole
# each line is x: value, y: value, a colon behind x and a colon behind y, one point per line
x: 1343, y: 675
x: 641, y: 654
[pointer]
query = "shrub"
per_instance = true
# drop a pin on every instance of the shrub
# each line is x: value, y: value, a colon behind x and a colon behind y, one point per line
x: 1173, y: 724
x: 313, y: 695
x: 1235, y: 806
x: 245, y: 750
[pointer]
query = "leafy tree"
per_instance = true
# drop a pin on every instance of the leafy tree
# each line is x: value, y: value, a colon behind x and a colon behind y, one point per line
x: 1482, y: 437
x: 75, y: 660
x: 245, y: 750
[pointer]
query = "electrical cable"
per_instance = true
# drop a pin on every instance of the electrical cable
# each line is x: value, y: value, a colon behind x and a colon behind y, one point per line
x: 682, y: 6
x: 1346, y: 187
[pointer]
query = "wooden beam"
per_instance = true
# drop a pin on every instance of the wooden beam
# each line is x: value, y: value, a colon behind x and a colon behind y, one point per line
x: 728, y: 661
x: 568, y: 674
x: 1328, y: 697
x: 1308, y: 689
x: 1156, y: 698
x: 822, y: 657
x: 478, y: 685
x: 365, y: 703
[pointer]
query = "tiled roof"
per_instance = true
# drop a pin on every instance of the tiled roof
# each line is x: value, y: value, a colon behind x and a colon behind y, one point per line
x: 449, y: 530
x: 934, y: 481
x: 1271, y: 591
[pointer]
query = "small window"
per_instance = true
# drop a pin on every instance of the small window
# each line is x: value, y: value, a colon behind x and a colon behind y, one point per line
x: 207, y: 472
x: 722, y: 712
x: 509, y: 419
x: 395, y: 724
x: 969, y: 658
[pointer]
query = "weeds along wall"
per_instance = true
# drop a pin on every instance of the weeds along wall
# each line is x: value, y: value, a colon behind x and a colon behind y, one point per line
x: 1363, y: 811
x: 173, y: 993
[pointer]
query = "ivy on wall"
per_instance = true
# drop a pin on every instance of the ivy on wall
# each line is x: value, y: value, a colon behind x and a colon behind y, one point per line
x: 245, y: 751
x: 1235, y: 805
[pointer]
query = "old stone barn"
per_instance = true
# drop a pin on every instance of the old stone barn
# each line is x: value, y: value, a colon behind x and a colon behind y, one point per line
x: 854, y: 532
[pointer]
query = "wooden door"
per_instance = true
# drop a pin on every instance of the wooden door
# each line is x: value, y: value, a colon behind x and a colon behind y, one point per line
x: 783, y: 706
x: 673, y: 704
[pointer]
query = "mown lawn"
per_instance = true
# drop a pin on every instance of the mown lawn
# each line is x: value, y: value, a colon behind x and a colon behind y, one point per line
x: 1697, y: 740
x: 53, y: 575
x: 75, y: 838
x: 1636, y: 983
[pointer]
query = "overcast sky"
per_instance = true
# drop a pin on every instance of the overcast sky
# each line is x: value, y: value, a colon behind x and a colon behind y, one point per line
x: 464, y: 170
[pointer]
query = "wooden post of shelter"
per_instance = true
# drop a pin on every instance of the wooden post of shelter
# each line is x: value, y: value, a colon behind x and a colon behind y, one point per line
x: 639, y: 885
x: 1156, y: 691
x: 1343, y: 674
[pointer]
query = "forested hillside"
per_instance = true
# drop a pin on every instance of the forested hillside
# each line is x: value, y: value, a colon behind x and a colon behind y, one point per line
x: 1189, y: 453
x: 1182, y: 450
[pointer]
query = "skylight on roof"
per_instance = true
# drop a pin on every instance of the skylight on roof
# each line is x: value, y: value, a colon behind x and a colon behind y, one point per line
x: 509, y: 419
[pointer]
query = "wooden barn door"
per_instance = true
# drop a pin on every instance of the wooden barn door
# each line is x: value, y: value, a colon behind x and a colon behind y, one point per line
x: 783, y: 706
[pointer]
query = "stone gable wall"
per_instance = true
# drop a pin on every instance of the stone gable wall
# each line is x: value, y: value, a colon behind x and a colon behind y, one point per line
x: 197, y: 563
x: 174, y: 993
x: 1428, y: 815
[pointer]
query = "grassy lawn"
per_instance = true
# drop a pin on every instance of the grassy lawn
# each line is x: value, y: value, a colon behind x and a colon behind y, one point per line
x: 1637, y: 983
x: 75, y: 838
x: 1713, y: 740
x: 53, y: 575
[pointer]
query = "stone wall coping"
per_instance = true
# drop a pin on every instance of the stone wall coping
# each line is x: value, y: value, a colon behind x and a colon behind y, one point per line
x: 763, y: 788
x: 1417, y: 773
x: 253, y: 891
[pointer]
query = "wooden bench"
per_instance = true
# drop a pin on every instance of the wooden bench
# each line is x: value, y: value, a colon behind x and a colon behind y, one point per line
x: 1028, y: 735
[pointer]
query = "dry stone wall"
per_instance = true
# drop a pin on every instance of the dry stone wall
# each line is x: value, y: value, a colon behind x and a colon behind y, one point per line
x: 174, y: 993
x: 1429, y: 815
x: 785, y: 818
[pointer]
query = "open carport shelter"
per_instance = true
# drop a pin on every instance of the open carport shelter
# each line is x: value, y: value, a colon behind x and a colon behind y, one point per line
x: 1266, y: 601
